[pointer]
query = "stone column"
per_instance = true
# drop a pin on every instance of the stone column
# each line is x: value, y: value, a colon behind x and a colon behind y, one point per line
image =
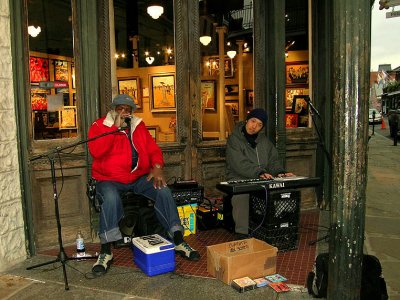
x: 351, y: 57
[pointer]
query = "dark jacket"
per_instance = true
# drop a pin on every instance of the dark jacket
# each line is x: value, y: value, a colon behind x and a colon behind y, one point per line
x: 112, y: 154
x: 245, y: 162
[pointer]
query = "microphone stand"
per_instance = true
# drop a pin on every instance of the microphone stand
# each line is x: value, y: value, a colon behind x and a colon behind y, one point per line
x: 62, y: 256
x: 314, y: 111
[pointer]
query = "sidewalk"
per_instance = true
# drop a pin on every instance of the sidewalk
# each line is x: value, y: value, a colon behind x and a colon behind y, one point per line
x: 382, y: 230
x: 382, y: 239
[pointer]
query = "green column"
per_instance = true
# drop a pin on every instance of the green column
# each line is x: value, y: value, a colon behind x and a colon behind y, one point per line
x: 351, y: 57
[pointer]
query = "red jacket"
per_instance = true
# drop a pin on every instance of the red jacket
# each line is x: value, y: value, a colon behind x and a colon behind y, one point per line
x: 112, y: 154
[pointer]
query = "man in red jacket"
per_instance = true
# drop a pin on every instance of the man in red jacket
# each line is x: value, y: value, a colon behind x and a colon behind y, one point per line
x: 129, y: 160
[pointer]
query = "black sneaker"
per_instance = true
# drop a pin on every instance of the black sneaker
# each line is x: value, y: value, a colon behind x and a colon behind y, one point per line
x: 184, y: 250
x: 102, y: 264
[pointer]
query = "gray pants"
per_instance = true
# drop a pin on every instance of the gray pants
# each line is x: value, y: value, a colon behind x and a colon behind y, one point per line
x: 240, y: 212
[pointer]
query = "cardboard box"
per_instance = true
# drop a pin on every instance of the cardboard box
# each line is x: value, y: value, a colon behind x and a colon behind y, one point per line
x: 153, y: 254
x: 236, y: 259
x: 187, y: 214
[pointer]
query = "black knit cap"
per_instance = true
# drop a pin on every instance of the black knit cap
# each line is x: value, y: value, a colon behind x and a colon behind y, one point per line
x: 258, y: 113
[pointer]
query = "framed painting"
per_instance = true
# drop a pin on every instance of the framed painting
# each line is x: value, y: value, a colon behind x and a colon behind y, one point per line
x: 231, y: 90
x: 297, y: 73
x: 131, y: 86
x: 300, y: 107
x: 67, y: 117
x: 39, y: 69
x: 213, y: 67
x: 249, y: 98
x: 153, y: 130
x: 61, y: 70
x: 208, y: 96
x: 162, y: 92
x: 291, y: 120
x: 290, y: 93
x: 234, y: 107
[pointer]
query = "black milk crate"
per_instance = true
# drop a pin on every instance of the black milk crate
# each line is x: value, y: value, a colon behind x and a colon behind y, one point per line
x: 284, y: 238
x: 282, y: 208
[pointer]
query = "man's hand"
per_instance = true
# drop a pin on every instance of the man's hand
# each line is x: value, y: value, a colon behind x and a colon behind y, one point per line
x: 266, y: 176
x: 286, y: 175
x: 158, y: 177
x: 119, y: 119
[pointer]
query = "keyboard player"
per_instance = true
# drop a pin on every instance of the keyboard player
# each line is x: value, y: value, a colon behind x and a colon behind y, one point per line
x: 250, y: 154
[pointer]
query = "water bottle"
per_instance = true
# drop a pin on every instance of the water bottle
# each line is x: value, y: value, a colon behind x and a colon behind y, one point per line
x: 80, y: 245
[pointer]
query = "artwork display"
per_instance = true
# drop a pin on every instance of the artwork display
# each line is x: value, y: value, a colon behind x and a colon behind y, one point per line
x: 297, y: 73
x: 131, y: 87
x: 61, y: 70
x: 213, y: 67
x: 162, y: 89
x: 208, y: 96
x: 38, y: 69
x: 67, y: 117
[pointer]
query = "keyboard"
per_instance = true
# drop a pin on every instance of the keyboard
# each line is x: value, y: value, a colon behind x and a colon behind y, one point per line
x: 244, y: 186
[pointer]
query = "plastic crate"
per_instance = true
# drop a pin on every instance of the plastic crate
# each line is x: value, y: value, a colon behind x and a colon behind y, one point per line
x: 284, y: 238
x: 281, y: 209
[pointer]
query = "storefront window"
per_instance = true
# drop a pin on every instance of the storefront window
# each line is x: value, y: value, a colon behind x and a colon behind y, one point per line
x: 297, y: 65
x: 144, y: 53
x: 52, y: 69
x: 233, y: 23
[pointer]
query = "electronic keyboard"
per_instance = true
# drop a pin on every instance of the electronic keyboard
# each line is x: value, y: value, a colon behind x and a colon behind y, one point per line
x: 244, y: 186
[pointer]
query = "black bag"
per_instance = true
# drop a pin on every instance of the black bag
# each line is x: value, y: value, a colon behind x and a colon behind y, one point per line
x: 373, y: 285
x: 317, y: 280
x: 140, y: 217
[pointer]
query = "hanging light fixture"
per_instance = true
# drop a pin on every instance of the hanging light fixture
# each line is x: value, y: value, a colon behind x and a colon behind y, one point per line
x: 34, y: 31
x: 205, y: 37
x: 155, y: 9
x: 205, y: 40
x: 231, y: 50
x: 150, y: 59
x: 231, y: 53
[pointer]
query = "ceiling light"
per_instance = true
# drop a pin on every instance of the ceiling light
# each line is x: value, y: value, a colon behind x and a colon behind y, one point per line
x: 205, y: 40
x: 34, y: 31
x: 150, y: 59
x: 231, y: 53
x: 155, y: 11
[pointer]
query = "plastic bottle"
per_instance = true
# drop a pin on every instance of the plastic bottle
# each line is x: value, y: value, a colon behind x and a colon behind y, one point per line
x: 80, y: 245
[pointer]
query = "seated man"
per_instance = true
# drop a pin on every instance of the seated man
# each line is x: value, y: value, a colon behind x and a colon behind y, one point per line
x: 249, y: 155
x: 129, y: 160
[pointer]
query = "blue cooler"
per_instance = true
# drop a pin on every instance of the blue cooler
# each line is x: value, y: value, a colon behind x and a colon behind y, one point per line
x: 153, y: 254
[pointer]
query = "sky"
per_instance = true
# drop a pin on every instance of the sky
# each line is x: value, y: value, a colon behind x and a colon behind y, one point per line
x: 385, y: 38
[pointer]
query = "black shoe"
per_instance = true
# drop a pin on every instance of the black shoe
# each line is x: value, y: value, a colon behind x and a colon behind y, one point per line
x: 187, y: 252
x: 102, y: 264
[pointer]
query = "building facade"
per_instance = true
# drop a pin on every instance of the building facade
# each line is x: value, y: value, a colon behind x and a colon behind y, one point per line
x: 30, y: 145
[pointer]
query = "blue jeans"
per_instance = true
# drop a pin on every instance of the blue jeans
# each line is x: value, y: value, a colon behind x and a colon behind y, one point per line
x: 109, y: 193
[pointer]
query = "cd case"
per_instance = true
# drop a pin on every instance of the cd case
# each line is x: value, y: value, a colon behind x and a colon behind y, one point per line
x: 243, y: 284
x: 279, y: 287
x: 276, y: 278
x: 260, y: 282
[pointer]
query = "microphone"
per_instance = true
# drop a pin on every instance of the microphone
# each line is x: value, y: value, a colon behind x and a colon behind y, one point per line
x: 312, y: 106
x: 128, y: 120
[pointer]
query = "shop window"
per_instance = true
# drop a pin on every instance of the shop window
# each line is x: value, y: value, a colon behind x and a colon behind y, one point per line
x: 52, y: 69
x: 234, y: 90
x: 145, y: 64
x: 297, y: 65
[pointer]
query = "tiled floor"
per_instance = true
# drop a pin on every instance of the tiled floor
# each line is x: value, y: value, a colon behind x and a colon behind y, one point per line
x: 293, y: 264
